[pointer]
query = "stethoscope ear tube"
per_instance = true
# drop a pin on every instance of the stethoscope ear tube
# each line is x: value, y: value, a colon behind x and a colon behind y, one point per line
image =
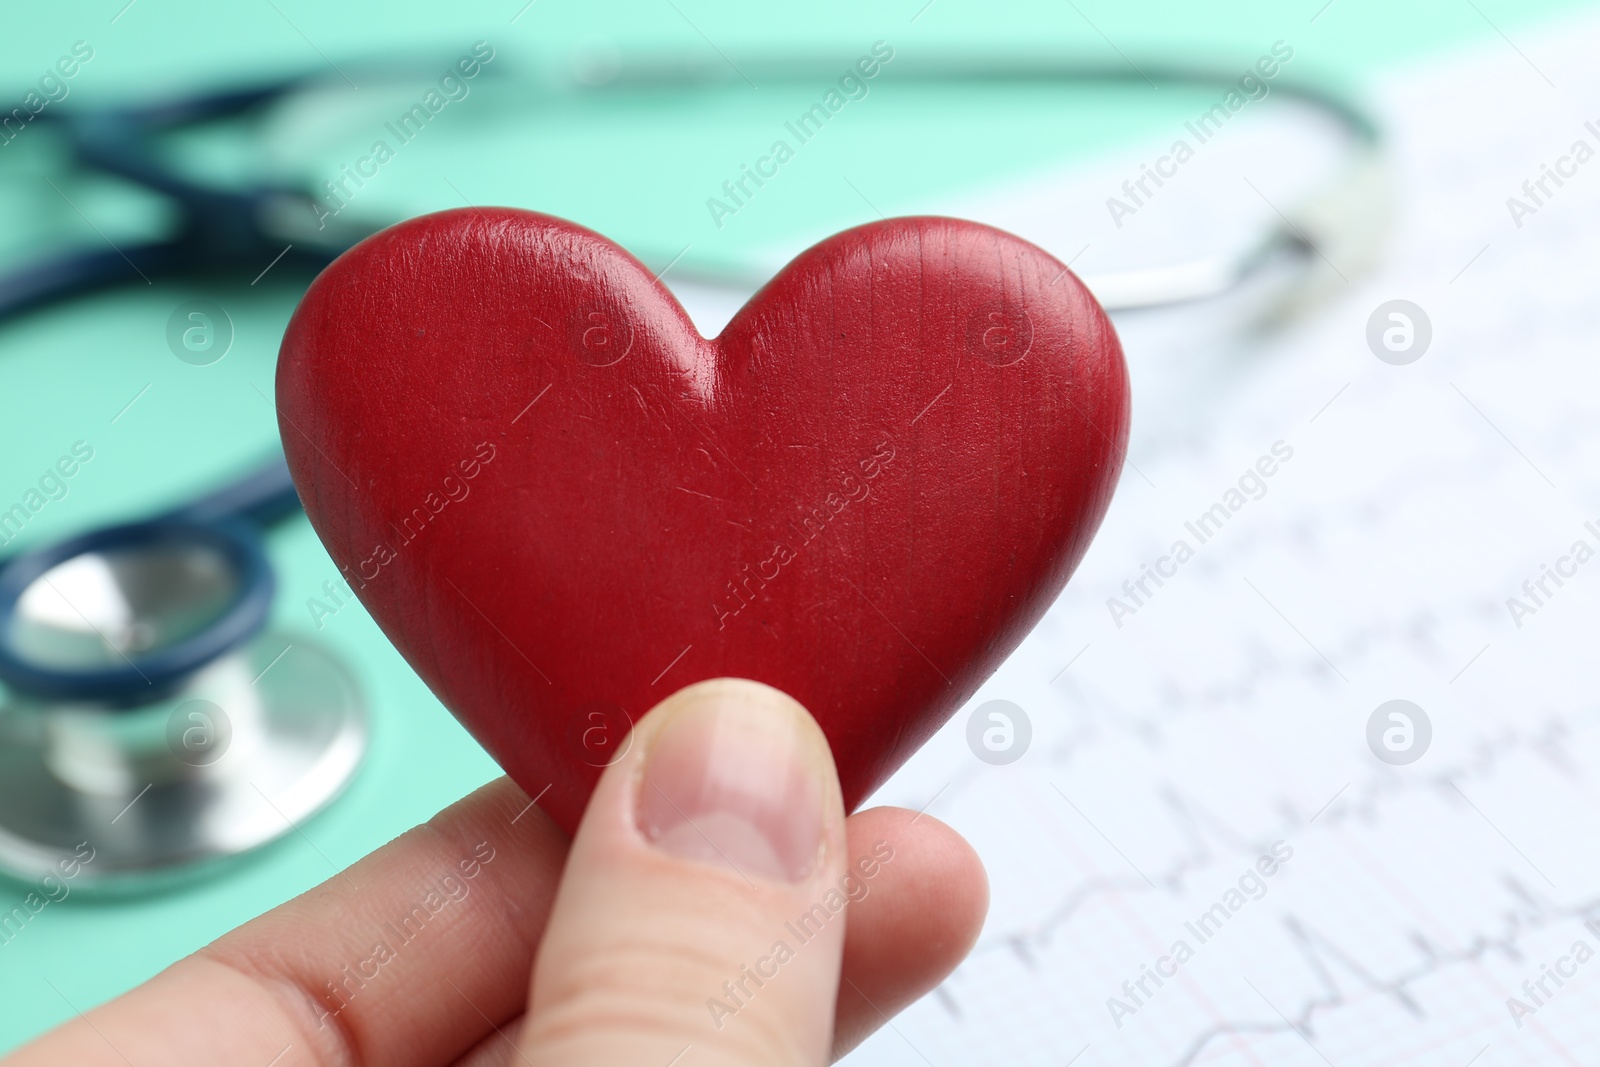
x: 261, y: 497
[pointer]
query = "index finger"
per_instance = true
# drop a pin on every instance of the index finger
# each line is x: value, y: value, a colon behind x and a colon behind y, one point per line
x: 410, y: 956
x: 302, y: 986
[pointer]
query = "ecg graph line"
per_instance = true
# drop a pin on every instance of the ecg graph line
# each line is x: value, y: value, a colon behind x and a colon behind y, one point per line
x: 1314, y: 947
x: 1204, y: 831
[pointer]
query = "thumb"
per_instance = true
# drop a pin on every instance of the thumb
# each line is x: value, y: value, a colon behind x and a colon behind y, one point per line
x: 700, y: 919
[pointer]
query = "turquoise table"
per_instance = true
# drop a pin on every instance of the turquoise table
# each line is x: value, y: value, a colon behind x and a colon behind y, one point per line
x: 638, y: 168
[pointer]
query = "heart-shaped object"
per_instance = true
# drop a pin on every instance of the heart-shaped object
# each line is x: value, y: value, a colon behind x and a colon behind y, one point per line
x: 562, y: 504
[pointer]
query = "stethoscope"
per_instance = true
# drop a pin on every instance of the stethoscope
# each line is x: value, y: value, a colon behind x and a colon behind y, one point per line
x: 150, y: 712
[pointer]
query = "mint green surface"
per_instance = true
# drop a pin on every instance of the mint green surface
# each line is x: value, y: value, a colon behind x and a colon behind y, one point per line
x: 636, y: 167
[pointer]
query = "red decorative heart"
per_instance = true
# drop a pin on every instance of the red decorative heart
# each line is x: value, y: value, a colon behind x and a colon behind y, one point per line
x: 562, y: 504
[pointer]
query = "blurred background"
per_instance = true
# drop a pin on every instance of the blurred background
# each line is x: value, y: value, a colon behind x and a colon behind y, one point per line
x: 1391, y: 574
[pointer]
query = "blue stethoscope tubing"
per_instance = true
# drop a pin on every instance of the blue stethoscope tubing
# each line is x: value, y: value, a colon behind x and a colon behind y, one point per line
x: 240, y: 230
x: 228, y: 522
x: 221, y: 230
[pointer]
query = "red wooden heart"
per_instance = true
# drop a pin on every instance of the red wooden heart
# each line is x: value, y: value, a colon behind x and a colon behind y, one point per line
x: 562, y: 504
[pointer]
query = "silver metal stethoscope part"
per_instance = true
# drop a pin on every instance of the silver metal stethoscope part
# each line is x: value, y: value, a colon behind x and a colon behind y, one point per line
x: 1347, y: 217
x: 152, y: 728
x: 252, y: 746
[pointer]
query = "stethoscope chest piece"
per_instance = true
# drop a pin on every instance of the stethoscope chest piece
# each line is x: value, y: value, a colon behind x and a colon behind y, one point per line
x: 152, y: 726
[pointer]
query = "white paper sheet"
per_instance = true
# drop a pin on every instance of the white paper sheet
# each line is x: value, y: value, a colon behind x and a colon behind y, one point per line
x: 1229, y: 711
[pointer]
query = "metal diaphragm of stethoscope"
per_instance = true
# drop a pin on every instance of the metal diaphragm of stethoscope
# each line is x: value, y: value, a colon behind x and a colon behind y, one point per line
x: 151, y: 715
x: 148, y: 710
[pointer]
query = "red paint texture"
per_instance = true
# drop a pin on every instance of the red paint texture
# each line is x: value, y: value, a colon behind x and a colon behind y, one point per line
x: 562, y: 504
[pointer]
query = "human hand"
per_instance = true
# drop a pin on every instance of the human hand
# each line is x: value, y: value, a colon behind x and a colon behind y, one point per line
x: 698, y: 918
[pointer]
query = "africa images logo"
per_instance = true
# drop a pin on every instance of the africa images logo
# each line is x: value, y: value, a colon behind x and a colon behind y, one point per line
x: 1250, y: 886
x: 806, y: 527
x: 1251, y: 485
x: 452, y: 87
x: 1254, y: 84
x: 852, y: 85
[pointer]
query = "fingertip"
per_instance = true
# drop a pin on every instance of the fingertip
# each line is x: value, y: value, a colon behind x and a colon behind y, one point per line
x: 920, y: 918
x: 733, y: 772
x: 698, y: 905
